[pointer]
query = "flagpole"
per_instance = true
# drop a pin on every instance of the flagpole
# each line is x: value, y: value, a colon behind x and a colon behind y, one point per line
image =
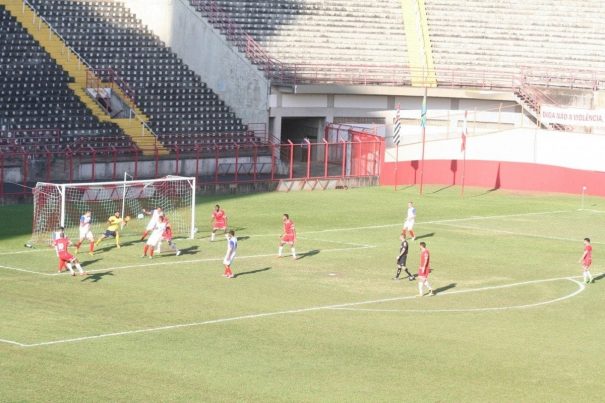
x: 463, y: 171
x: 396, y: 164
x: 423, y: 124
x: 464, y: 133
x: 396, y: 140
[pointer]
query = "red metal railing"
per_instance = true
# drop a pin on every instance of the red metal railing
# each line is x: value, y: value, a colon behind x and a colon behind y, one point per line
x: 111, y: 77
x: 233, y: 163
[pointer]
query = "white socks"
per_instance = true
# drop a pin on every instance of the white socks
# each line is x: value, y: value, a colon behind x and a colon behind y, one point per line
x: 421, y: 286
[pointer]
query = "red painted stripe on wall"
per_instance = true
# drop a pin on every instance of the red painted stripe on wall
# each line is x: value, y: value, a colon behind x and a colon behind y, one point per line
x: 496, y: 175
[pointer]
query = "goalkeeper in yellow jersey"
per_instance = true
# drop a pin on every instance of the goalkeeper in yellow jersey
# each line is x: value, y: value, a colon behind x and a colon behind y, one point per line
x: 116, y: 223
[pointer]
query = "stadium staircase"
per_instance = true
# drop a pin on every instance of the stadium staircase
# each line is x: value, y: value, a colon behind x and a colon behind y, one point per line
x: 183, y: 112
x: 420, y: 53
x: 72, y: 64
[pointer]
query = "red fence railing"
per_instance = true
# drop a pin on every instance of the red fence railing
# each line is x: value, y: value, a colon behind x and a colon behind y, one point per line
x: 234, y: 163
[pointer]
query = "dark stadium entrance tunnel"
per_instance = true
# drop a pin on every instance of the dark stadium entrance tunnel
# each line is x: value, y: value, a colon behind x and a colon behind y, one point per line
x: 298, y: 129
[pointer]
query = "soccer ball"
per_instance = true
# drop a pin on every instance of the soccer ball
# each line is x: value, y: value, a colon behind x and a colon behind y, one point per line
x: 140, y: 216
x: 127, y: 218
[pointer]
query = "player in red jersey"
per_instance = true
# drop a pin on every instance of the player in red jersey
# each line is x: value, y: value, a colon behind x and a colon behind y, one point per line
x: 288, y: 236
x: 219, y: 221
x: 586, y: 261
x: 424, y: 270
x: 66, y: 258
x: 168, y: 237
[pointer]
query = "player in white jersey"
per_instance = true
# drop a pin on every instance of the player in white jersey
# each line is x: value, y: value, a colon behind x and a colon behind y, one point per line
x: 230, y: 255
x: 86, y: 233
x: 155, y: 214
x: 155, y: 238
x: 410, y: 221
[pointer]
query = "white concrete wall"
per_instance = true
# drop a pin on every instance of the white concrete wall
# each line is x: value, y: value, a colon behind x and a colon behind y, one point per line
x: 226, y: 71
x: 562, y: 149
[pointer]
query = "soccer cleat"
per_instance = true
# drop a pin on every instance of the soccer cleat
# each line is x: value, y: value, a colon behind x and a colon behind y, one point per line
x: 178, y: 252
x: 143, y: 256
x: 83, y: 274
x: 73, y: 274
x: 411, y: 278
x: 118, y: 246
x: 431, y: 293
x: 150, y: 257
x: 420, y: 295
x: 396, y: 278
x: 230, y: 276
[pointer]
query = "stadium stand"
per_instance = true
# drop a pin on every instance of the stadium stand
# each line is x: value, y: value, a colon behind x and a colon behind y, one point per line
x: 182, y: 110
x: 38, y: 111
x: 319, y: 32
x: 508, y: 35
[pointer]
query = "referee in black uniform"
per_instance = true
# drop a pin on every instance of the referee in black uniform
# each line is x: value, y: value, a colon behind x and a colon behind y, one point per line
x: 402, y: 258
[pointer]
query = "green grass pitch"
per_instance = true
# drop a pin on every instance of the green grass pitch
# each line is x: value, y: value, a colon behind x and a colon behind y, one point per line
x: 511, y: 320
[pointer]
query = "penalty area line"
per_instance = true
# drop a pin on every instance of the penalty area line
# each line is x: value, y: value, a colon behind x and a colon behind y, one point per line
x: 179, y: 261
x: 368, y: 227
x: 287, y: 312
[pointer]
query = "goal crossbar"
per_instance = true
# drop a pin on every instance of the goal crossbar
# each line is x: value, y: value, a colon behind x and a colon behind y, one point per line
x: 61, y: 204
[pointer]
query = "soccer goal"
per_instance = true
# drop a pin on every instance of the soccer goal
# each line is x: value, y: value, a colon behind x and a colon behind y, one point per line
x: 62, y: 204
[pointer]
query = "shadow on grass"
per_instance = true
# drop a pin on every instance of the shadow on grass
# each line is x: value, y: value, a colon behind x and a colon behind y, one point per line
x: 245, y: 273
x: 310, y: 253
x: 430, y: 234
x: 599, y: 277
x: 89, y: 262
x: 97, y: 276
x: 242, y: 238
x: 444, y: 288
x: 443, y: 188
x: 191, y: 250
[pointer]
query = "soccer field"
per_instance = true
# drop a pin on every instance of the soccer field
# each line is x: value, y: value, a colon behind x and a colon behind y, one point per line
x: 511, y: 321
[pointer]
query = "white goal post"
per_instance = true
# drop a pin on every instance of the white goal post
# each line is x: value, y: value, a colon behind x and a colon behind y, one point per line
x: 61, y: 205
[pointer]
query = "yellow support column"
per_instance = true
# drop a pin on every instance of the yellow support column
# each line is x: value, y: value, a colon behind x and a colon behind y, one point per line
x: 420, y: 52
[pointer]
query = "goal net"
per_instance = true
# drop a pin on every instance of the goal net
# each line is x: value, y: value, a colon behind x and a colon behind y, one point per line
x: 58, y: 205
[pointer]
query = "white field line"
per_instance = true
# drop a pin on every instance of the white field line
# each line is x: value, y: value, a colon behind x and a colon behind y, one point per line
x: 357, y: 245
x: 592, y: 211
x: 27, y: 251
x: 14, y: 343
x: 26, y: 271
x: 173, y: 262
x: 524, y: 234
x: 284, y: 312
x: 581, y: 287
x: 49, y: 249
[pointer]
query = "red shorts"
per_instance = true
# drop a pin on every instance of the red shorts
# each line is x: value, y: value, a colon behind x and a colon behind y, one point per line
x: 424, y: 273
x: 288, y: 238
x: 219, y: 225
x: 66, y: 256
x: 587, y: 262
